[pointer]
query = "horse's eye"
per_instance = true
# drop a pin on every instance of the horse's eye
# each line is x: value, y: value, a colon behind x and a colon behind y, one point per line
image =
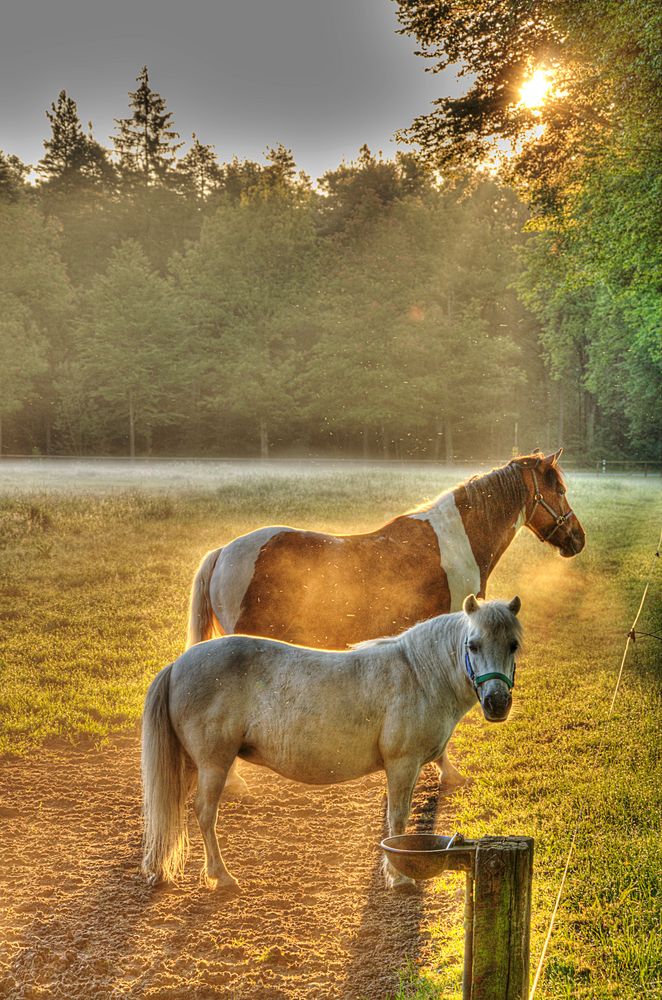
x: 514, y: 646
x: 474, y: 646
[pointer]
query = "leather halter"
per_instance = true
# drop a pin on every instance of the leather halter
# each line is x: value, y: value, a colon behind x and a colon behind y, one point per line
x: 481, y: 678
x: 538, y: 500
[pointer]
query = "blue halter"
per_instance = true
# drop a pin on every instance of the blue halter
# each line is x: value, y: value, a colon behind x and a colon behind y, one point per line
x: 494, y: 675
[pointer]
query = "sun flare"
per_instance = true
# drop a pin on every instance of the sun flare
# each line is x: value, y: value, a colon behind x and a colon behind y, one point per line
x: 534, y: 90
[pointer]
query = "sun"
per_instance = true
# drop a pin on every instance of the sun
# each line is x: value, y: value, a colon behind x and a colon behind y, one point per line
x: 534, y: 90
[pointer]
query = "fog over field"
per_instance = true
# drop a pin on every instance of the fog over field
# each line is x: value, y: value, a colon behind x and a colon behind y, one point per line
x: 102, y: 476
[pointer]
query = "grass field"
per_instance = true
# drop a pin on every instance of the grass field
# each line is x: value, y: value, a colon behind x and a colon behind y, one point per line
x: 94, y: 599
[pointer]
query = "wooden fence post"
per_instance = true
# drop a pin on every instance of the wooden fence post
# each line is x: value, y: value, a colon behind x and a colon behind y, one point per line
x: 501, y: 918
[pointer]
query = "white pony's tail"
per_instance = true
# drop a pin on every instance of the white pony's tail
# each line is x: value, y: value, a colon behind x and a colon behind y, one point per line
x: 201, y: 618
x: 165, y: 787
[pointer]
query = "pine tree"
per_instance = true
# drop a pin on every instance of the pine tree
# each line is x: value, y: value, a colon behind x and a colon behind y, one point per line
x: 199, y: 170
x: 73, y: 159
x: 146, y: 143
x: 22, y: 356
x: 132, y: 355
x: 281, y: 174
x: 36, y: 302
x: 13, y: 173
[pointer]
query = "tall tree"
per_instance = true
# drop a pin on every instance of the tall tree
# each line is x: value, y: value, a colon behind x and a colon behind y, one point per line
x: 413, y: 318
x: 72, y: 159
x: 13, y: 175
x: 199, y: 170
x: 242, y: 285
x: 146, y: 143
x: 22, y: 357
x: 281, y: 172
x: 130, y: 353
x: 575, y: 90
x: 240, y: 179
x: 39, y: 301
x: 357, y: 191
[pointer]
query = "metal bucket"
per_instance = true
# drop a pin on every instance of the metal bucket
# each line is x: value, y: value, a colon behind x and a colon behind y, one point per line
x: 426, y: 855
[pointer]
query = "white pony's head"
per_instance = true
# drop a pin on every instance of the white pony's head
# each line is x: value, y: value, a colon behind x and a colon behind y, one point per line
x: 493, y: 637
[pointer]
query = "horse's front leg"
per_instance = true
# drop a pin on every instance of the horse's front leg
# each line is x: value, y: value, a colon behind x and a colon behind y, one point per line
x: 401, y: 776
x: 210, y: 785
x: 449, y: 776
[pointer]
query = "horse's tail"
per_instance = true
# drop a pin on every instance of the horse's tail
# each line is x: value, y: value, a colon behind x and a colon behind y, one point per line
x: 166, y: 784
x: 201, y: 617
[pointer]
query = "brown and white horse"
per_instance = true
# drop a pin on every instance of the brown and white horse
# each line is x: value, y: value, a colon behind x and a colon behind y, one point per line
x: 330, y: 591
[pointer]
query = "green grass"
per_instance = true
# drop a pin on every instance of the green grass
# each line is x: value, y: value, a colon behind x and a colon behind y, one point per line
x: 558, y: 754
x: 94, y: 602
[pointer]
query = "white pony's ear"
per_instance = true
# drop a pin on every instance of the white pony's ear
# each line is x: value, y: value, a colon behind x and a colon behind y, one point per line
x: 470, y: 604
x: 515, y: 605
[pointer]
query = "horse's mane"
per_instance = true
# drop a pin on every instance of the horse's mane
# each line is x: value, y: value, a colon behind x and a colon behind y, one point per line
x: 504, y: 483
x: 500, y: 489
x: 382, y: 640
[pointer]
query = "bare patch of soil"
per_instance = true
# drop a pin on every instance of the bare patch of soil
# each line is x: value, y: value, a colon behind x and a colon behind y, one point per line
x: 313, y: 920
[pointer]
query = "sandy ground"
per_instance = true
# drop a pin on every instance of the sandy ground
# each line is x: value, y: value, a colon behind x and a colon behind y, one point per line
x: 314, y: 919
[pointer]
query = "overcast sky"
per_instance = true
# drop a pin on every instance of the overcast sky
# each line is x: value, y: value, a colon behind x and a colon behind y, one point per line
x: 320, y: 76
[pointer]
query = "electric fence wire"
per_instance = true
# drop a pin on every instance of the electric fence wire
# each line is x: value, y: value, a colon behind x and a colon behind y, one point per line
x: 628, y: 642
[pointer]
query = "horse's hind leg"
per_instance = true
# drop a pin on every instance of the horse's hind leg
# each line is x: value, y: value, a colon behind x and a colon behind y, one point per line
x: 449, y: 778
x: 210, y: 785
x: 235, y: 787
x: 401, y: 777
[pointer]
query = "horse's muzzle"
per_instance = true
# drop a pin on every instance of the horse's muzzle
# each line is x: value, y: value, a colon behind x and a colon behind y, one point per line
x: 496, y: 706
x: 574, y: 544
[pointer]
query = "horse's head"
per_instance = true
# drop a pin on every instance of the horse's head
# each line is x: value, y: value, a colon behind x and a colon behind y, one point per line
x: 547, y: 511
x: 493, y: 637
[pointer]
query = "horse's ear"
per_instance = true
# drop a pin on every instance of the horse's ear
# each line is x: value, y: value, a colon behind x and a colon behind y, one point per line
x: 470, y: 604
x: 552, y: 459
x: 515, y: 605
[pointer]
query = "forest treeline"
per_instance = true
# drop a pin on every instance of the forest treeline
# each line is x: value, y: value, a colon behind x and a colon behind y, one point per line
x: 158, y: 301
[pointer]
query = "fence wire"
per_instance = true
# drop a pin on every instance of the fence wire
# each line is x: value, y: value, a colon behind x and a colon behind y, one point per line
x: 631, y: 638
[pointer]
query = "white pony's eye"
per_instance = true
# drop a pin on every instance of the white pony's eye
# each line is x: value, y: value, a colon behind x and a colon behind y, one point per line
x: 474, y: 646
x: 514, y: 646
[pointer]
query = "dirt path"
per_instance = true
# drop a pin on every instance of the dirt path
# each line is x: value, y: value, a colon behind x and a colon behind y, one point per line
x: 313, y: 920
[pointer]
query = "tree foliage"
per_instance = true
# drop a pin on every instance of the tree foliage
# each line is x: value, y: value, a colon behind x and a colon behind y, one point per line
x: 129, y: 356
x: 72, y: 159
x: 146, y: 142
x: 587, y: 160
x: 174, y: 303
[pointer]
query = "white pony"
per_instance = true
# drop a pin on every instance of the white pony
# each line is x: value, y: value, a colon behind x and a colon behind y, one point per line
x: 315, y: 716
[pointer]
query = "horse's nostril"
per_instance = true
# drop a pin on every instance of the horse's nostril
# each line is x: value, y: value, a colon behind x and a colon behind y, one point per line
x: 491, y: 704
x: 496, y: 706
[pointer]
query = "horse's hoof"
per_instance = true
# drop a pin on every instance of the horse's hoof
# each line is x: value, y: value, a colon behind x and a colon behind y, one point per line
x: 397, y: 881
x: 152, y: 880
x: 224, y: 884
x: 401, y: 884
x: 447, y: 786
